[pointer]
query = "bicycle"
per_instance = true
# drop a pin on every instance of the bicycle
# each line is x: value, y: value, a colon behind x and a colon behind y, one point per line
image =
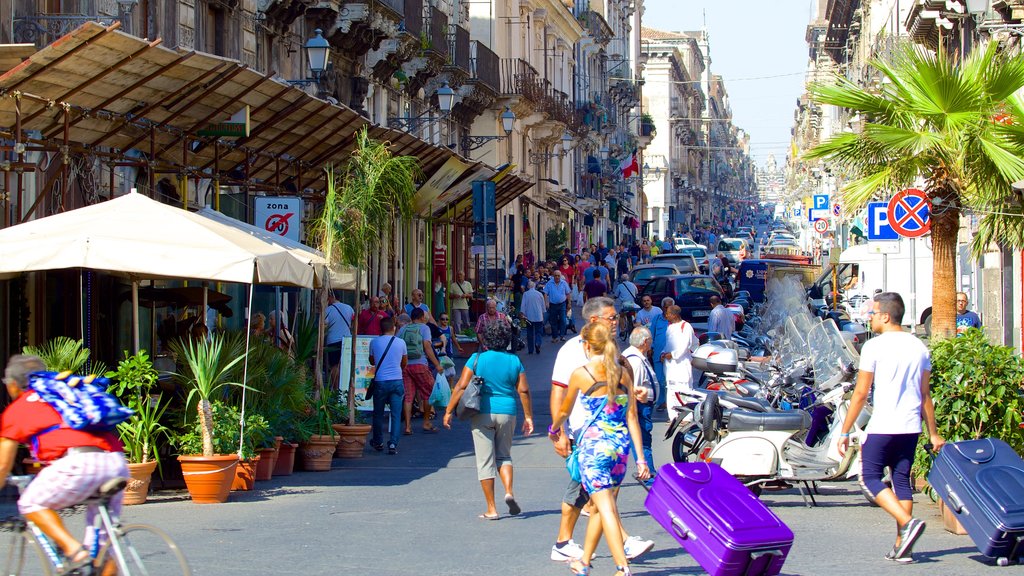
x: 137, y: 549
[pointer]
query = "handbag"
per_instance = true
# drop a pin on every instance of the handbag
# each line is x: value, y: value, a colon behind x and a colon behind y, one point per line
x: 572, y: 461
x: 373, y: 382
x: 469, y: 403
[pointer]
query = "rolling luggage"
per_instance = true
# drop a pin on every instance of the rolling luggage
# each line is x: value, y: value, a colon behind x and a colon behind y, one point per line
x: 982, y: 483
x: 718, y: 520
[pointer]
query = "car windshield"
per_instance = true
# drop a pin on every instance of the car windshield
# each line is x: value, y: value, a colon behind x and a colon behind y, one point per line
x: 730, y: 245
x: 697, y: 253
x: 696, y: 284
x: 645, y: 274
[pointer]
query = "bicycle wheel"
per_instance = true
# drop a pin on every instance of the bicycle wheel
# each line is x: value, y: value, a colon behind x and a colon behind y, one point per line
x: 26, y: 557
x: 148, y: 551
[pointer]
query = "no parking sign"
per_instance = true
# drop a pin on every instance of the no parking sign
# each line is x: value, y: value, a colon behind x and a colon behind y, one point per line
x: 909, y: 213
x: 279, y: 215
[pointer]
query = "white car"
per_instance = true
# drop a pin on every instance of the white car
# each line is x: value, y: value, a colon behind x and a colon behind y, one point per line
x: 684, y: 242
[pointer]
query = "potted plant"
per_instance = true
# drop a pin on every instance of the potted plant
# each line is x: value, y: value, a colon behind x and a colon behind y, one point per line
x: 351, y: 439
x: 363, y: 205
x: 226, y: 420
x: 646, y: 125
x: 318, y: 449
x: 207, y: 370
x: 133, y: 382
x: 468, y: 343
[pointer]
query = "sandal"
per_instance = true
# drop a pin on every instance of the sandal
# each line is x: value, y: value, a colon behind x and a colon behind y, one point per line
x: 578, y: 568
x: 623, y: 571
x: 83, y: 566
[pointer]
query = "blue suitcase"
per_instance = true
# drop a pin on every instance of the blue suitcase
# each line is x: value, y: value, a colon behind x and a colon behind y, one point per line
x: 982, y: 483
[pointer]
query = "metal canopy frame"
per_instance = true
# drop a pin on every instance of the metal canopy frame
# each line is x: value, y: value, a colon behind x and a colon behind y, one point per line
x: 102, y: 92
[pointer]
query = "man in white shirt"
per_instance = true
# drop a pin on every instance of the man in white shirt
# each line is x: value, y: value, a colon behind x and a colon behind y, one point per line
x: 721, y: 319
x: 532, y: 307
x: 461, y: 292
x: 680, y: 342
x: 556, y: 293
x: 645, y: 384
x: 625, y: 292
x: 337, y: 326
x: 896, y: 363
x: 648, y: 312
x: 570, y: 357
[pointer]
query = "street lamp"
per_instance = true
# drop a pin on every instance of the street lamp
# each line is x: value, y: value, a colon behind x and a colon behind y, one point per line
x: 538, y: 157
x: 318, y: 52
x: 508, y: 121
x: 977, y: 7
x: 445, y: 101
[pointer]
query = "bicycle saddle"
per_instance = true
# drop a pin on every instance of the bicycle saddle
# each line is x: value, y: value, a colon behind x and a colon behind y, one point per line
x: 111, y: 487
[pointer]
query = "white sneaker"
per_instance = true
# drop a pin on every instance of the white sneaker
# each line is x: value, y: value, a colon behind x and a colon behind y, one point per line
x: 570, y: 551
x: 636, y: 546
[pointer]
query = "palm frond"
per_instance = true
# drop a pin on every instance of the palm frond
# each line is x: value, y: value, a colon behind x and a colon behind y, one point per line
x: 896, y: 139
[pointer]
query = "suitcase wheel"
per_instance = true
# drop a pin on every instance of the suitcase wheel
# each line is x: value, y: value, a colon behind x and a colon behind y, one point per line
x: 1002, y: 561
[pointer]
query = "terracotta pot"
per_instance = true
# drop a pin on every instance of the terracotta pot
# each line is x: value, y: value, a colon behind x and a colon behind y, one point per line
x: 285, y: 459
x: 209, y: 478
x: 351, y: 439
x: 316, y: 453
x: 245, y: 474
x: 467, y: 349
x: 949, y: 520
x: 138, y: 488
x: 265, y: 464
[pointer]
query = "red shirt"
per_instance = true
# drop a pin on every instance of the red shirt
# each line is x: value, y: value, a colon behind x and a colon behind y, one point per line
x: 28, y: 415
x: 369, y: 322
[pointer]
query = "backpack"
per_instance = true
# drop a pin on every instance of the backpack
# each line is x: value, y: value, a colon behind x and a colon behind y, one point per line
x: 82, y: 401
x: 413, y: 340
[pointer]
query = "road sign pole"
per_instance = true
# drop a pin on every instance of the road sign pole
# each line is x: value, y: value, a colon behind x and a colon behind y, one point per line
x: 913, y: 282
x: 885, y: 271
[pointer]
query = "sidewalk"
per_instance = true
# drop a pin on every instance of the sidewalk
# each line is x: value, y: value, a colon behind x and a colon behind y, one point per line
x: 416, y: 513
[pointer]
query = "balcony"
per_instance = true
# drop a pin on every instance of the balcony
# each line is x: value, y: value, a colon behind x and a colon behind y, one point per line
x: 481, y: 88
x: 277, y: 16
x: 518, y: 78
x: 43, y: 29
x: 354, y: 27
x: 597, y: 27
x: 394, y: 52
x: 433, y: 55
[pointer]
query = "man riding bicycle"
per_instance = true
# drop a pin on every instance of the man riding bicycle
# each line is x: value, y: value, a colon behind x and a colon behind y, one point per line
x: 625, y: 302
x: 79, y: 461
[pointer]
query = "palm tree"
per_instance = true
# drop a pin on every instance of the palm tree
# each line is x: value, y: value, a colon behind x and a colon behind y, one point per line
x: 958, y: 125
x: 364, y: 203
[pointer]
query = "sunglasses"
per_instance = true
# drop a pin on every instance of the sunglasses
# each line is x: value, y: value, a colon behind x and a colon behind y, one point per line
x: 444, y: 318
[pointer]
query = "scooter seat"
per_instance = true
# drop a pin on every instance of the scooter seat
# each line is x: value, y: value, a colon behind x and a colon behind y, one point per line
x: 751, y: 404
x: 790, y: 420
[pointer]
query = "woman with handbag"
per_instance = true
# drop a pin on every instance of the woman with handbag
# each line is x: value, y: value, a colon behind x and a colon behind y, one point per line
x: 389, y: 356
x: 490, y: 381
x: 602, y: 448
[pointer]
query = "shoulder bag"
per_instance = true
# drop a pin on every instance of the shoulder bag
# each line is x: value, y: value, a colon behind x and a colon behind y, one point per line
x: 373, y: 383
x: 572, y: 461
x: 469, y: 403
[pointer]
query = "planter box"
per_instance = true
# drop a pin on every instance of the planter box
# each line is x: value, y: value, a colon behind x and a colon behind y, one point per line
x: 467, y: 348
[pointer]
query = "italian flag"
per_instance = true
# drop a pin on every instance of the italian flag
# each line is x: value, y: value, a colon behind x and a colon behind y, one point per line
x: 630, y: 165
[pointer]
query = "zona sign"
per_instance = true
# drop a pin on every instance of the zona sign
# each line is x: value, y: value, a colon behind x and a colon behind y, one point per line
x: 909, y: 213
x: 821, y: 225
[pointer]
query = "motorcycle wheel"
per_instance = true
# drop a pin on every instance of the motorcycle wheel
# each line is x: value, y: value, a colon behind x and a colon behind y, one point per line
x: 682, y: 451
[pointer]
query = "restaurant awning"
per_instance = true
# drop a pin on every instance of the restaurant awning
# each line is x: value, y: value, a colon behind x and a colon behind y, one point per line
x: 101, y: 90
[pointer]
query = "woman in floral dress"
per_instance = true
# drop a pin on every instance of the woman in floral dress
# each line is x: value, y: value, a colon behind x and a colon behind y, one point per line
x: 604, y: 445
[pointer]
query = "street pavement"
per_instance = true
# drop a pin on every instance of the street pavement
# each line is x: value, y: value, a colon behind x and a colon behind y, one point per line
x: 416, y: 514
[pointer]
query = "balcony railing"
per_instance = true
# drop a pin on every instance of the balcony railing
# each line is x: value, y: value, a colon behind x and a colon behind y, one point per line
x: 518, y: 77
x: 413, y: 23
x: 397, y: 5
x: 458, y: 47
x: 42, y: 29
x: 484, y: 66
x: 437, y: 32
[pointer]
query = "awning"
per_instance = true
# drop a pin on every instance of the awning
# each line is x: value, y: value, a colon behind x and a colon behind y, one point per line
x: 122, y: 92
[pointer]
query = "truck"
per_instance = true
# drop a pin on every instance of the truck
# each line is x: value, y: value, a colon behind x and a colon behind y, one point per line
x: 863, y: 268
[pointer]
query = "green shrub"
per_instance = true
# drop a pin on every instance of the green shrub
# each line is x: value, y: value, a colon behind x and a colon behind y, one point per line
x: 977, y: 391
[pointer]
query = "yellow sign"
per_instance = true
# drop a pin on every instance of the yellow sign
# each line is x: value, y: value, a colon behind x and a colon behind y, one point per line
x: 432, y: 195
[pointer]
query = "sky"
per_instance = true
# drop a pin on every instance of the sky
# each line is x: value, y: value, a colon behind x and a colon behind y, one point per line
x: 749, y: 40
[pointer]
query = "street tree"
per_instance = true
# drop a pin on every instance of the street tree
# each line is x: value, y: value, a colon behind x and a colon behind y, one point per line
x: 367, y: 199
x: 955, y: 124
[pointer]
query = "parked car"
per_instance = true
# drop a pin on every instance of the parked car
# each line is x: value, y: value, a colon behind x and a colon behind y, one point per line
x: 644, y: 273
x: 734, y: 249
x: 691, y: 292
x: 700, y: 255
x: 686, y: 263
x: 685, y: 241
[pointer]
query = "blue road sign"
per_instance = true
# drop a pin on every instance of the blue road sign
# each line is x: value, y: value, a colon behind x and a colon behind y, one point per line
x: 796, y: 211
x: 878, y: 222
x: 821, y: 201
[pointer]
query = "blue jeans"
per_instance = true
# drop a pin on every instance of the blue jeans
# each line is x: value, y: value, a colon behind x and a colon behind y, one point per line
x: 389, y: 393
x: 534, y: 336
x: 645, y: 416
x: 659, y: 371
x: 556, y: 316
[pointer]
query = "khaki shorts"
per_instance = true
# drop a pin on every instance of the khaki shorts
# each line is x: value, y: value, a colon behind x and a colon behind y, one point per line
x: 492, y: 442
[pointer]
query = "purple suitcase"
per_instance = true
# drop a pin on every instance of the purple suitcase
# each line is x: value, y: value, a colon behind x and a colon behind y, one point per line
x: 718, y: 520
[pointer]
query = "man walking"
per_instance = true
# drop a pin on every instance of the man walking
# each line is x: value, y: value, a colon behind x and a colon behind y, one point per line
x: 647, y: 312
x: 556, y: 293
x: 337, y: 327
x: 721, y: 319
x: 596, y: 288
x: 389, y: 357
x: 419, y: 382
x: 416, y: 302
x: 461, y: 292
x: 659, y: 335
x: 680, y: 342
x: 896, y: 363
x: 533, y: 310
x: 645, y: 383
x: 570, y: 357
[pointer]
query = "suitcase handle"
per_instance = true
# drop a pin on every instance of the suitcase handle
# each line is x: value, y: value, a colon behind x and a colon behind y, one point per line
x: 955, y: 503
x: 679, y: 528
